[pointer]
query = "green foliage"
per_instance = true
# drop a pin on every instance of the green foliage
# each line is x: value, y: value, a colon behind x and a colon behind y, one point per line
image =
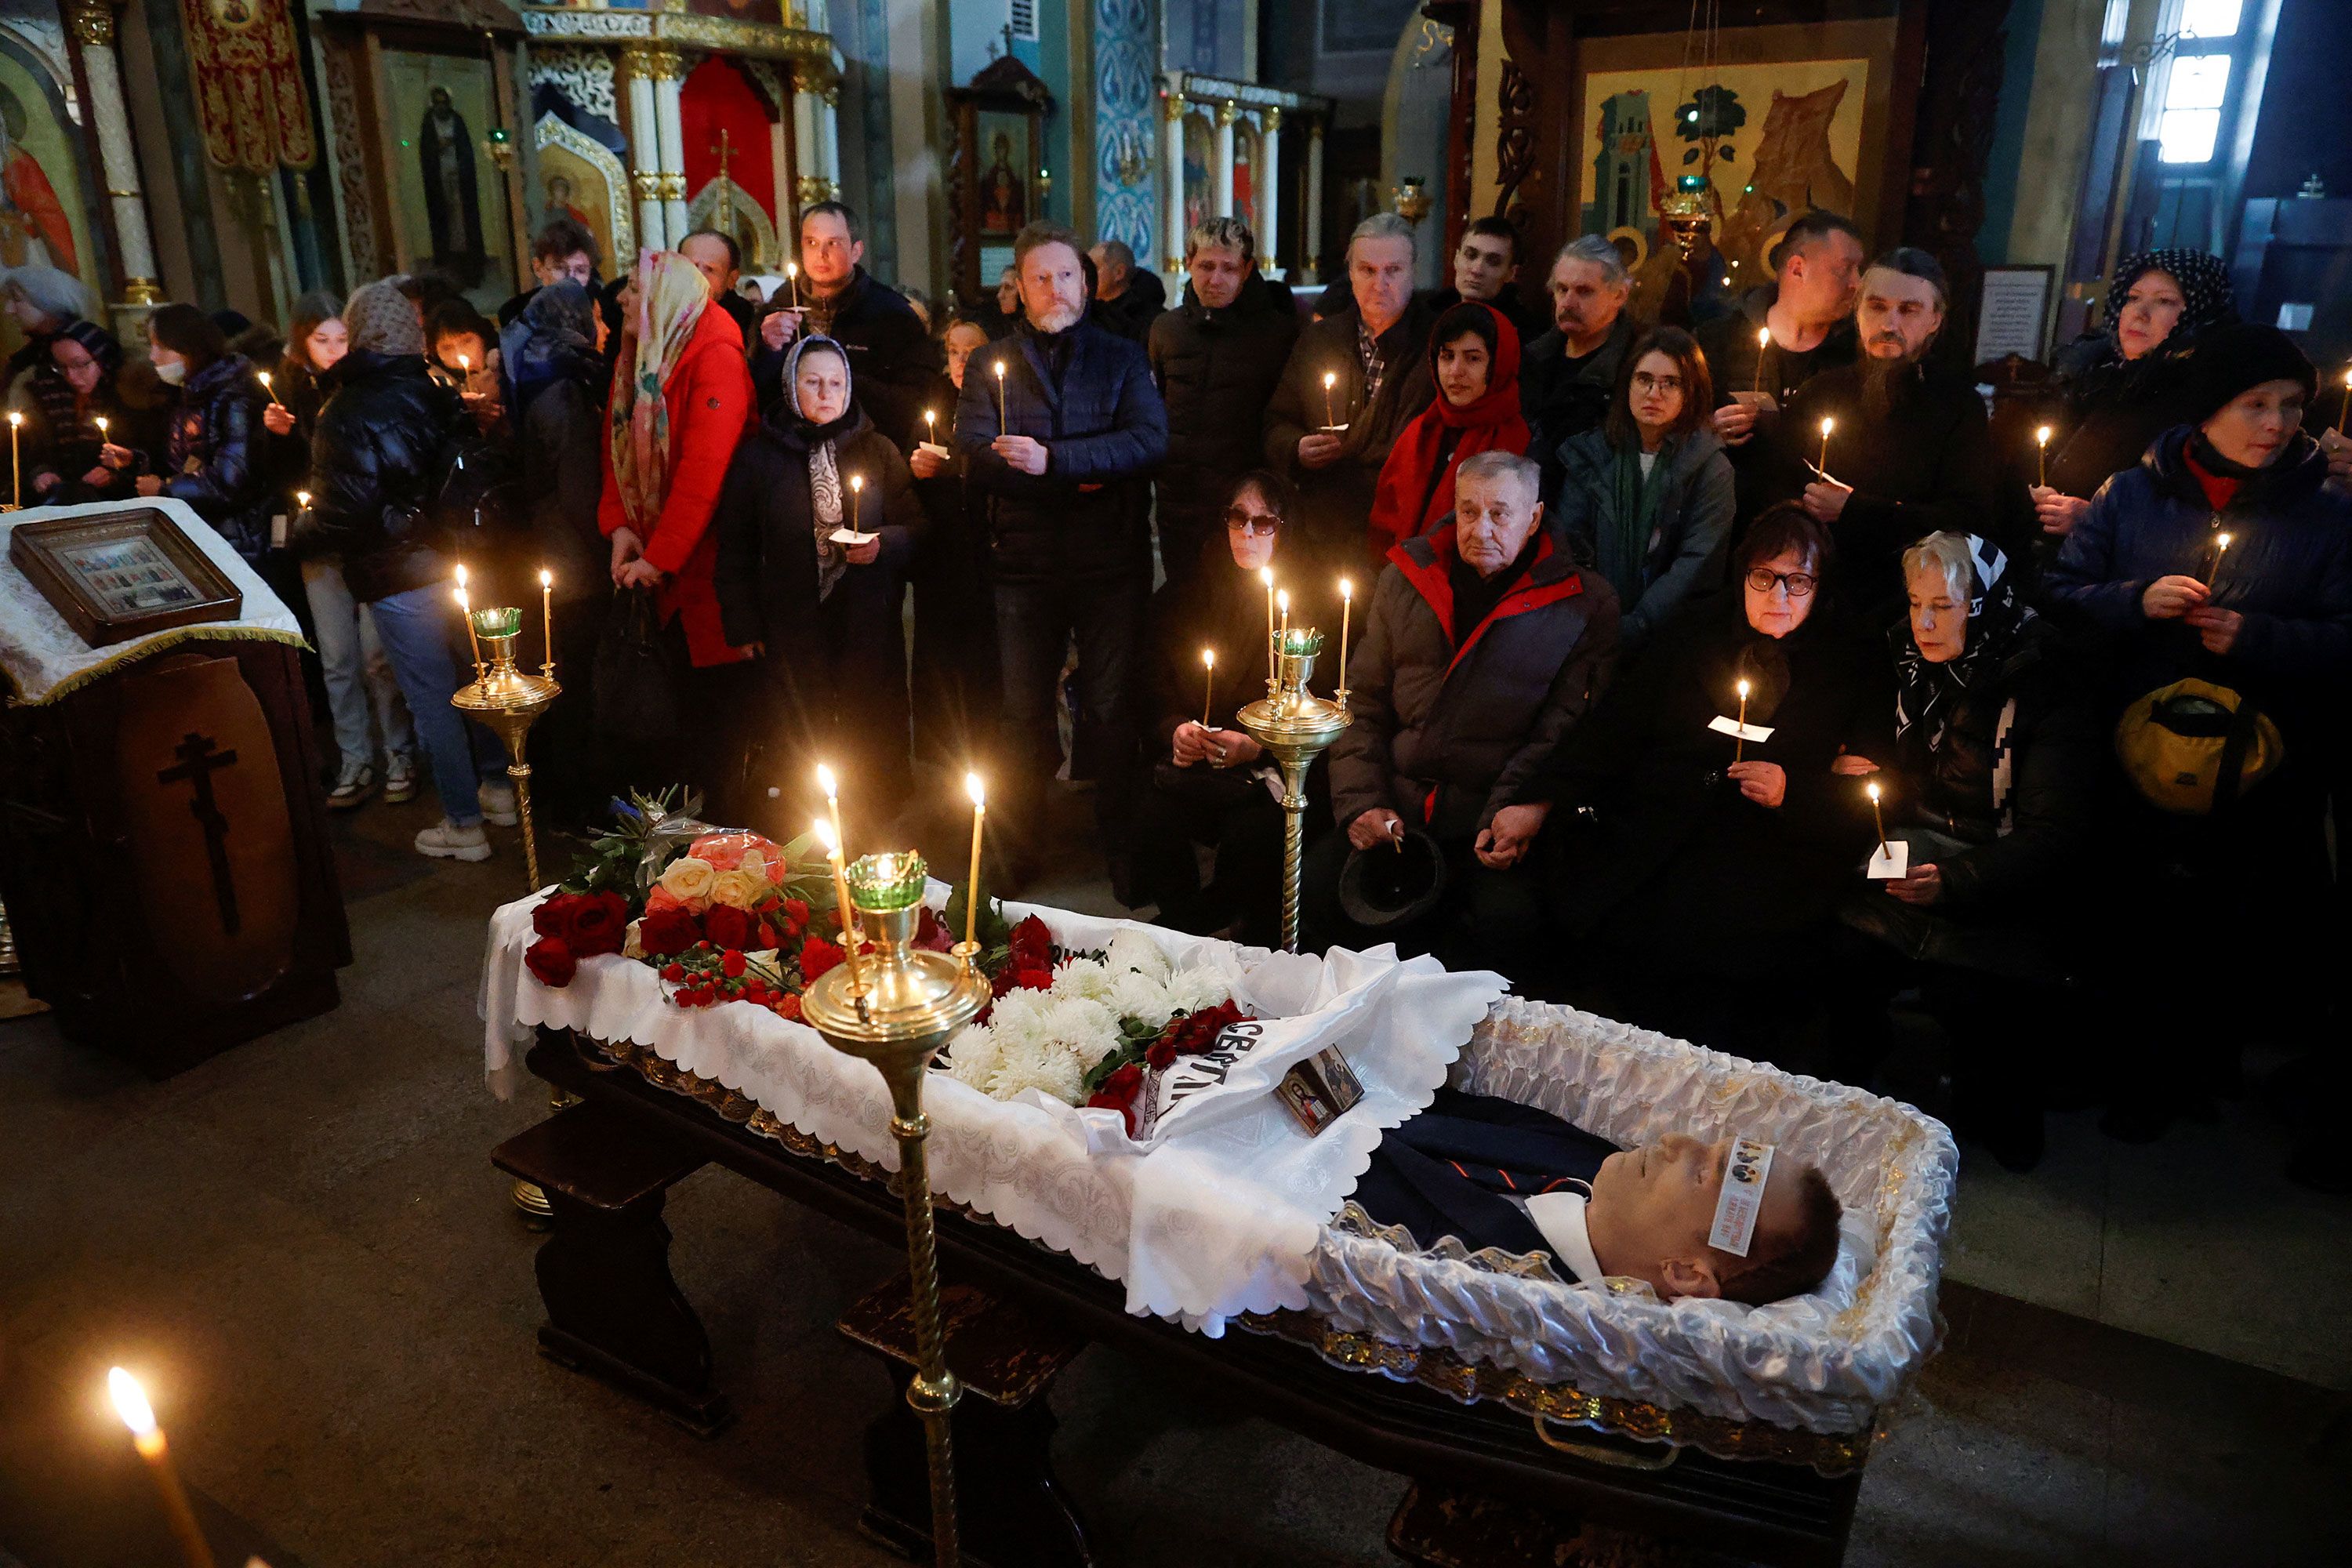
x: 611, y: 860
x: 1714, y: 111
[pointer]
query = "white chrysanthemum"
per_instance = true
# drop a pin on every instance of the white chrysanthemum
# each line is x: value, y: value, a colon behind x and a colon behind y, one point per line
x: 1023, y: 1064
x: 1017, y: 1011
x: 1134, y: 994
x: 1059, y: 1075
x: 1131, y: 949
x: 973, y: 1057
x: 1087, y: 977
x: 1189, y: 990
x: 1079, y: 1024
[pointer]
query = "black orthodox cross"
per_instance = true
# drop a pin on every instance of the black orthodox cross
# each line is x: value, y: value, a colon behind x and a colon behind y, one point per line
x: 198, y: 763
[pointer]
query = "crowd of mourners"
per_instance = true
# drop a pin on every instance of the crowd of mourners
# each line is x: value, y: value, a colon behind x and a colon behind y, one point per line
x: 1754, y: 676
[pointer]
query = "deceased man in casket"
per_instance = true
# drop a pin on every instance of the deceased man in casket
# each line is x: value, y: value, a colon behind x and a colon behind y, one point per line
x: 1684, y: 1218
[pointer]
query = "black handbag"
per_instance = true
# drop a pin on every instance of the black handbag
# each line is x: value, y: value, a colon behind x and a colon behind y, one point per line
x: 637, y: 678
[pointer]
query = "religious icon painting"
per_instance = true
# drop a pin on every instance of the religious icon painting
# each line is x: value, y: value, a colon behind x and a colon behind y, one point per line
x: 43, y: 174
x: 122, y: 575
x: 449, y: 201
x: 1003, y: 174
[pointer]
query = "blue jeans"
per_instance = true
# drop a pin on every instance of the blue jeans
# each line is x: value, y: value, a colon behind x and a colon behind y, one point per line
x: 414, y: 629
x: 358, y: 674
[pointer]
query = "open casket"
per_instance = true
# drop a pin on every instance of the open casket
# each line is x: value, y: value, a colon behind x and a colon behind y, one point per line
x: 1239, y: 1217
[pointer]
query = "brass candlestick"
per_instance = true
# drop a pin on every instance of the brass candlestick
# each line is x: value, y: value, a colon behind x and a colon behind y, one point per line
x: 1297, y: 727
x: 510, y: 703
x: 896, y: 1015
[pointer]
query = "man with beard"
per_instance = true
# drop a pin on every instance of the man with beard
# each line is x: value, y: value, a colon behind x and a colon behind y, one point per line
x: 1064, y: 429
x: 893, y: 360
x: 1565, y: 383
x: 1909, y: 453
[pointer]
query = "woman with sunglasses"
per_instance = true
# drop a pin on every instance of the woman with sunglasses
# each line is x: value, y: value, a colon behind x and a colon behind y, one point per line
x: 1205, y: 785
x: 1697, y: 866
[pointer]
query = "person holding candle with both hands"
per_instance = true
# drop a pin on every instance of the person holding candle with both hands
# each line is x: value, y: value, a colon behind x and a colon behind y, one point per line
x: 957, y: 685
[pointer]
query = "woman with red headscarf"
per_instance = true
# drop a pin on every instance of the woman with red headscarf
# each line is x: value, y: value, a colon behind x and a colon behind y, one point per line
x: 681, y: 401
x: 1474, y: 353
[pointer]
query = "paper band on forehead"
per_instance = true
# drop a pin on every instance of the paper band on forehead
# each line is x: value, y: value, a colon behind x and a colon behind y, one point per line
x: 1744, y: 1173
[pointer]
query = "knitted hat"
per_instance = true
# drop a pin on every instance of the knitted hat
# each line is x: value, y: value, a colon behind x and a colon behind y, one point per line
x: 2228, y: 360
x: 383, y: 319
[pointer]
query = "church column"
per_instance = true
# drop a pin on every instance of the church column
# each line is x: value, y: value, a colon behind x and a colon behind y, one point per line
x: 1227, y: 113
x: 669, y: 72
x: 828, y: 132
x: 1312, y: 263
x: 645, y: 147
x: 814, y: 156
x: 93, y: 29
x: 1172, y: 181
x: 1266, y: 179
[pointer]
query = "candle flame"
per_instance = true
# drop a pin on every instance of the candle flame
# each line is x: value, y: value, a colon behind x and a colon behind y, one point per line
x: 1873, y: 788
x: 1763, y: 337
x: 1000, y: 370
x: 14, y: 417
x: 1265, y: 575
x: 461, y: 573
x: 130, y: 1403
x: 2222, y: 542
x: 101, y: 424
x: 826, y: 781
x: 1282, y: 601
x: 930, y: 415
x: 2042, y: 435
x: 1347, y: 589
x: 1330, y: 379
x: 858, y: 482
x: 264, y: 375
x: 1209, y: 657
x: 461, y: 602
x: 824, y: 831
x: 1827, y: 425
x: 973, y: 787
x: 1743, y: 690
x: 546, y: 578
x: 791, y: 269
x: 303, y: 497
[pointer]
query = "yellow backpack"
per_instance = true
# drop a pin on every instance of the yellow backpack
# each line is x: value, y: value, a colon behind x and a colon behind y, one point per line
x: 2193, y: 747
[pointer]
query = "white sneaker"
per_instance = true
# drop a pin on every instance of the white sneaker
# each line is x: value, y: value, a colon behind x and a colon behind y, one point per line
x: 399, y: 780
x: 450, y: 842
x: 352, y: 786
x: 498, y: 804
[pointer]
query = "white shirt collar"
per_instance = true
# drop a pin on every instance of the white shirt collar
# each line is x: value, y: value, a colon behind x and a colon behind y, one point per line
x: 1560, y: 1217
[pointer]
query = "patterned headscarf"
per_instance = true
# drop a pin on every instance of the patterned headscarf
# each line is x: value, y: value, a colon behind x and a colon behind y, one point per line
x: 1997, y: 619
x: 671, y: 295
x: 2205, y: 294
x: 382, y: 319
x: 825, y: 502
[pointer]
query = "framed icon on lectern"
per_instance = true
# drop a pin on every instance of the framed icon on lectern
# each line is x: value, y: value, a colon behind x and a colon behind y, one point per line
x: 122, y: 575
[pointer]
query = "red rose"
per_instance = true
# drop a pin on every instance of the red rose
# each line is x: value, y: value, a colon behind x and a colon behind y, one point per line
x: 796, y: 911
x: 733, y: 965
x: 731, y: 928
x: 549, y: 958
x: 668, y: 930
x: 553, y: 916
x: 599, y: 922
x: 1119, y: 1092
x: 817, y: 956
x: 1161, y: 1054
x: 1031, y: 943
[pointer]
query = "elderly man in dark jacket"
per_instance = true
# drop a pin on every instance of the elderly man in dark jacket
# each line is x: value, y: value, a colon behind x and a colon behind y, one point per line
x: 892, y: 356
x: 1353, y: 382
x: 1484, y: 646
x: 1217, y: 358
x: 1064, y: 429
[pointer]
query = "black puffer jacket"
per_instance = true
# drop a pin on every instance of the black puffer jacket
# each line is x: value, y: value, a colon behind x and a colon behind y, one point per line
x: 383, y: 440
x: 214, y: 461
x: 1217, y: 372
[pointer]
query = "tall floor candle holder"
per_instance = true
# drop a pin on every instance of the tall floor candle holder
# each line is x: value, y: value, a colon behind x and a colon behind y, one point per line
x: 896, y: 1011
x: 1296, y: 726
x: 510, y: 700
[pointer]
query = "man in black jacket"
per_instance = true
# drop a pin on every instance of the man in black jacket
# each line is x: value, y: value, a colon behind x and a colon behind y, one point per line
x: 1909, y: 452
x: 1571, y: 371
x: 1487, y: 272
x: 1127, y: 297
x: 1064, y: 429
x: 1217, y: 358
x: 1353, y: 382
x: 892, y: 359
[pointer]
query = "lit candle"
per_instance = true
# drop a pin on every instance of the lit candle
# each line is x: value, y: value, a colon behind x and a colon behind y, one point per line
x: 979, y: 792
x: 2221, y: 543
x: 1347, y: 603
x: 830, y: 835
x: 1826, y: 425
x: 547, y: 609
x: 102, y: 423
x: 466, y: 610
x: 1739, y: 741
x: 2346, y: 406
x: 1209, y: 697
x: 131, y: 1404
x: 263, y: 376
x: 1265, y: 575
x: 831, y: 787
x: 1330, y: 380
x: 931, y: 425
x: 1000, y: 415
x: 1763, y: 343
x: 464, y: 367
x: 302, y: 500
x: 15, y: 469
x: 1282, y: 636
x: 793, y: 274
x: 857, y: 488
x: 1878, y: 818
x: 2041, y: 442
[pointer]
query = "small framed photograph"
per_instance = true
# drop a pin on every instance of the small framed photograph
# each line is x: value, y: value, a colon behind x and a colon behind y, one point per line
x: 1319, y: 1090
x: 122, y: 575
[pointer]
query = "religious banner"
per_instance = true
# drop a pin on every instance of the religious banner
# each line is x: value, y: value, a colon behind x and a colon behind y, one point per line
x: 248, y: 75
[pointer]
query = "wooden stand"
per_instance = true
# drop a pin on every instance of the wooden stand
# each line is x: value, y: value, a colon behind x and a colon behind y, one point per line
x: 164, y: 857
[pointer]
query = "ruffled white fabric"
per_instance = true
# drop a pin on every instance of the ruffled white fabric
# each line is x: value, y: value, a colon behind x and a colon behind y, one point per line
x: 1217, y: 1214
x: 1824, y: 1363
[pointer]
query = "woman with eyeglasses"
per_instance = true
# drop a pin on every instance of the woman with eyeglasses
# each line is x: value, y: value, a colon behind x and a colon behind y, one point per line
x: 1647, y: 495
x: 1206, y: 783
x: 1695, y: 865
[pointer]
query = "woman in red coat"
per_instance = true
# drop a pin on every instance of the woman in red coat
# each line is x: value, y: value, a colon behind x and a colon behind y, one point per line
x: 681, y: 400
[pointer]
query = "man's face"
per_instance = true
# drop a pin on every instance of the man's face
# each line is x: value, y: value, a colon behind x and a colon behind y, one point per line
x: 1899, y: 315
x: 1053, y: 287
x: 1584, y: 303
x: 1380, y: 271
x: 708, y: 254
x: 1218, y: 272
x: 1111, y: 274
x: 579, y: 267
x: 1820, y: 277
x: 1493, y: 517
x: 828, y: 254
x: 1008, y: 291
x: 1652, y: 1208
x: 1482, y: 266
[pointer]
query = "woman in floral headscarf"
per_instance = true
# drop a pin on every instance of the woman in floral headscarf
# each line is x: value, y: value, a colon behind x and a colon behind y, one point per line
x: 681, y: 401
x: 2124, y: 385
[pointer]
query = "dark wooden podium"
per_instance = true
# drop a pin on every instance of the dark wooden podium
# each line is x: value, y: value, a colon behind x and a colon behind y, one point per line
x: 163, y: 853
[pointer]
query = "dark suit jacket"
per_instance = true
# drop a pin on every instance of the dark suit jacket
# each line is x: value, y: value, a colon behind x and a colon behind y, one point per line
x: 1446, y: 1172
